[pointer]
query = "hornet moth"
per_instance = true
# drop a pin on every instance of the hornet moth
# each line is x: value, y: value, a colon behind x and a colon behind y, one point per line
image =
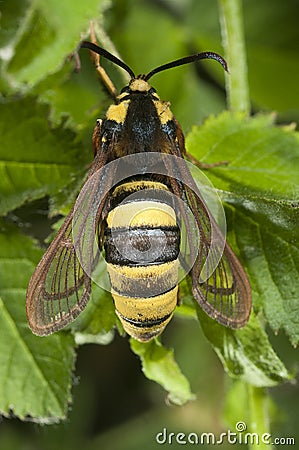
x: 138, y: 220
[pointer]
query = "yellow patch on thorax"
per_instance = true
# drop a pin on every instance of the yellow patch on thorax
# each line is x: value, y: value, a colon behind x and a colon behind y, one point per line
x: 118, y: 112
x: 163, y: 111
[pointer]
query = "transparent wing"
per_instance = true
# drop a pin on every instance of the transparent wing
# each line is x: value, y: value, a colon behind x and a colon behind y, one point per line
x: 59, y: 289
x: 223, y: 292
x: 219, y: 282
x: 60, y: 286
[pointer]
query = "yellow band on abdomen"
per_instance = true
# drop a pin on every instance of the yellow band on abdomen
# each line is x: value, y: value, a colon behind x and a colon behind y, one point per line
x: 140, y: 214
x: 143, y: 318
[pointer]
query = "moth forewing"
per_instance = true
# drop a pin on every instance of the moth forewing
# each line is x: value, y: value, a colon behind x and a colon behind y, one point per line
x: 58, y: 289
x: 224, y: 294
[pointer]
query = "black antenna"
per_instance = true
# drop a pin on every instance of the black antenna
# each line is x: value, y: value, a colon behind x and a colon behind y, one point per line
x: 187, y: 60
x: 101, y: 51
x: 178, y: 62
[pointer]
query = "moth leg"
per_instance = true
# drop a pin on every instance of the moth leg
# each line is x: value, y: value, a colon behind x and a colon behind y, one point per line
x: 100, y: 70
x: 179, y: 298
x: 202, y: 165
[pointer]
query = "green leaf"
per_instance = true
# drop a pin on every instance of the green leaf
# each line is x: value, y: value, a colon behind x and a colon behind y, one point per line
x: 35, y: 373
x: 97, y: 321
x: 80, y: 94
x: 48, y: 33
x: 268, y: 236
x: 262, y: 158
x: 35, y: 159
x: 11, y: 14
x: 246, y: 353
x: 158, y: 364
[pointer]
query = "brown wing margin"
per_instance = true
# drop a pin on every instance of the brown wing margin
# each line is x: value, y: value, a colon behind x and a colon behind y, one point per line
x: 58, y: 289
x: 224, y: 294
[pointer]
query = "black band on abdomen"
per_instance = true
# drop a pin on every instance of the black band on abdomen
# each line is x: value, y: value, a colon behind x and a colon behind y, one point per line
x: 141, y: 246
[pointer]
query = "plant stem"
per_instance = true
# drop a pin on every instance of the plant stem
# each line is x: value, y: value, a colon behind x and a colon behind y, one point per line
x: 232, y: 29
x: 258, y: 417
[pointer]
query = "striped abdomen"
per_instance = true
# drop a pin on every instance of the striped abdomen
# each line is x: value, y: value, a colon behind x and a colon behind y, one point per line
x: 142, y: 242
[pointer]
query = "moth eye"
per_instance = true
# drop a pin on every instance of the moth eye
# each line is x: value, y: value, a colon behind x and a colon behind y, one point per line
x: 125, y: 89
